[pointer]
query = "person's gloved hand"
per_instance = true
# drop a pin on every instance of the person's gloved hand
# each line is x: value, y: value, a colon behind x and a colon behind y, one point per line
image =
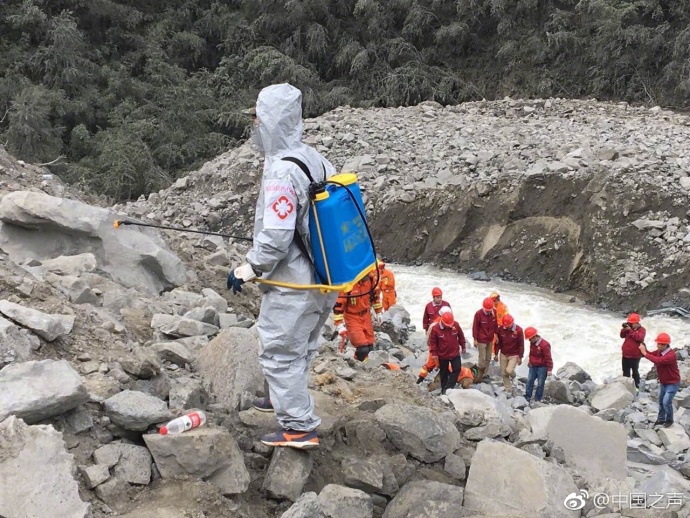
x: 377, y: 318
x: 342, y: 330
x: 238, y: 276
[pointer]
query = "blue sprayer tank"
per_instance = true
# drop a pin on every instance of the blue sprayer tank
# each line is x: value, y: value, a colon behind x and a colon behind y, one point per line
x: 343, y: 252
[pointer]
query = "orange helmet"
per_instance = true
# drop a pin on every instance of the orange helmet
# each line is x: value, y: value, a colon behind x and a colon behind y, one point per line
x: 633, y: 318
x: 494, y: 295
x: 508, y: 320
x: 447, y: 319
x: 436, y: 292
x: 391, y: 366
x: 381, y: 264
x: 663, y: 338
x: 488, y: 303
x: 530, y: 332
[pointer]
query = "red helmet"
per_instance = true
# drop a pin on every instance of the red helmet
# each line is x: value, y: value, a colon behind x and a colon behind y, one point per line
x: 447, y: 319
x: 436, y: 292
x: 508, y: 321
x: 488, y: 303
x: 663, y: 338
x: 633, y: 318
x: 530, y: 332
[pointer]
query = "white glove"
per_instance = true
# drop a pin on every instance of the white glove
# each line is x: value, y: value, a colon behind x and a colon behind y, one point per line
x: 377, y: 318
x: 245, y: 272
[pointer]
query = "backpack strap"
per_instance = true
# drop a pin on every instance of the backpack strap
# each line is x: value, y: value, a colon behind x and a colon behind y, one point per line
x: 298, y: 237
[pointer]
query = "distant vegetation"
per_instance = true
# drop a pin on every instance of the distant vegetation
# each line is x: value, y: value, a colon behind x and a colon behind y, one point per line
x: 133, y: 93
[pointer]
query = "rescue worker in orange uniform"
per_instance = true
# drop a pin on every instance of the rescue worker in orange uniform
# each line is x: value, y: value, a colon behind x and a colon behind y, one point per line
x: 500, y: 309
x: 387, y: 285
x: 431, y: 362
x: 466, y: 376
x: 352, y: 315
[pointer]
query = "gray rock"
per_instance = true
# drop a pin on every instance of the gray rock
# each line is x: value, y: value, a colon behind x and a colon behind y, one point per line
x: 188, y: 393
x: 141, y: 364
x: 116, y: 494
x: 16, y: 344
x: 557, y: 391
x: 573, y: 372
x: 108, y: 455
x: 211, y: 454
x: 36, y: 473
x: 230, y: 365
x: 48, y: 327
x: 213, y: 299
x: 494, y: 489
x: 134, y: 463
x: 665, y: 481
x: 73, y: 265
x: 583, y: 438
x: 455, y: 467
x: 425, y: 434
x: 675, y: 438
x: 614, y: 395
x: 36, y: 225
x: 646, y: 224
x: 181, y: 327
x: 344, y: 502
x: 287, y: 473
x: 77, y: 420
x: 362, y: 473
x: 476, y: 409
x: 74, y: 288
x: 306, y: 506
x: 37, y: 390
x: 173, y: 352
x: 94, y: 475
x: 135, y: 410
x: 207, y: 314
x: 638, y: 451
x: 101, y: 386
x: 426, y: 498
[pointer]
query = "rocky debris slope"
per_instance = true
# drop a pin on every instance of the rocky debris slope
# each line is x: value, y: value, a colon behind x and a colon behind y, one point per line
x: 580, y: 195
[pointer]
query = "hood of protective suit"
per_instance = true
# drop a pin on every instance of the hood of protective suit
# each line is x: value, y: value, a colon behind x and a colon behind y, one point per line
x: 279, y: 114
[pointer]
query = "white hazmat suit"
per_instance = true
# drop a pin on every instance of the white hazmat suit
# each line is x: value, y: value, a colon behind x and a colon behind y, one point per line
x: 290, y: 320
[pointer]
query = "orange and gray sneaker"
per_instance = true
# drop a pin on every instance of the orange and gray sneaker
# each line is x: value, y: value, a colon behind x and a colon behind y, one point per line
x: 292, y: 439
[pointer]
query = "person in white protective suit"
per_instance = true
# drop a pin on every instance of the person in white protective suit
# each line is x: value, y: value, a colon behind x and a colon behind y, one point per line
x: 290, y: 320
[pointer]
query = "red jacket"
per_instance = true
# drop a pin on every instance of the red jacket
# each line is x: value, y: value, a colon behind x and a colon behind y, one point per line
x: 484, y: 327
x: 446, y: 342
x: 540, y: 355
x: 431, y: 312
x: 666, y: 366
x: 511, y: 341
x: 633, y: 339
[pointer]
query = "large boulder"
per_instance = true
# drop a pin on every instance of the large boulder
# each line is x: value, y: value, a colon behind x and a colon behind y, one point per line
x: 230, y: 365
x: 675, y: 438
x: 38, y: 226
x: 486, y: 413
x: 133, y: 410
x: 615, y: 396
x: 426, y: 498
x: 421, y: 432
x: 573, y: 372
x: 211, y: 454
x: 505, y: 481
x: 287, y: 473
x: 596, y: 449
x: 37, y: 390
x: 16, y: 344
x: 48, y: 327
x: 37, y: 473
x: 344, y: 502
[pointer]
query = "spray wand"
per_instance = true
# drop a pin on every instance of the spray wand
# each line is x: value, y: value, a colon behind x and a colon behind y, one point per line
x: 119, y: 223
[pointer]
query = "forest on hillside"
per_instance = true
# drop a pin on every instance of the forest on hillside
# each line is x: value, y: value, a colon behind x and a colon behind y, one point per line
x: 123, y: 96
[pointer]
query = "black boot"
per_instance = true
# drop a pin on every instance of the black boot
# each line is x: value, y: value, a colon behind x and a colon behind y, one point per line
x: 419, y: 380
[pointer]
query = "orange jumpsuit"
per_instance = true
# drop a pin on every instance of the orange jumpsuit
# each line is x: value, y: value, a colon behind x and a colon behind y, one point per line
x: 387, y: 285
x: 430, y: 364
x: 354, y: 307
x: 501, y: 310
x: 465, y: 377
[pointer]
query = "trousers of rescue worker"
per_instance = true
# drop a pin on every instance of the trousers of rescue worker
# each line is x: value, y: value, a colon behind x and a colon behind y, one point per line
x: 389, y: 299
x: 485, y: 351
x: 448, y: 368
x: 287, y: 348
x: 508, y: 366
x: 360, y: 331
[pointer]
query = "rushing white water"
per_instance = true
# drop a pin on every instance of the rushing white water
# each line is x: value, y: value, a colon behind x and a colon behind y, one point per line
x: 577, y: 333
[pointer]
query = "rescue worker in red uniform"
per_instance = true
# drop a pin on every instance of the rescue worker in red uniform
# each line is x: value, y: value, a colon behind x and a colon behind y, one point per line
x: 669, y: 376
x: 432, y: 308
x: 446, y: 342
x: 431, y: 362
x: 352, y: 315
x: 510, y: 345
x: 634, y: 334
x: 484, y: 330
x: 540, y: 363
x: 387, y: 285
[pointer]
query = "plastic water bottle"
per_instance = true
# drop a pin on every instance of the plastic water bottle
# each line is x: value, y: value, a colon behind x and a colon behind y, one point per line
x: 184, y: 423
